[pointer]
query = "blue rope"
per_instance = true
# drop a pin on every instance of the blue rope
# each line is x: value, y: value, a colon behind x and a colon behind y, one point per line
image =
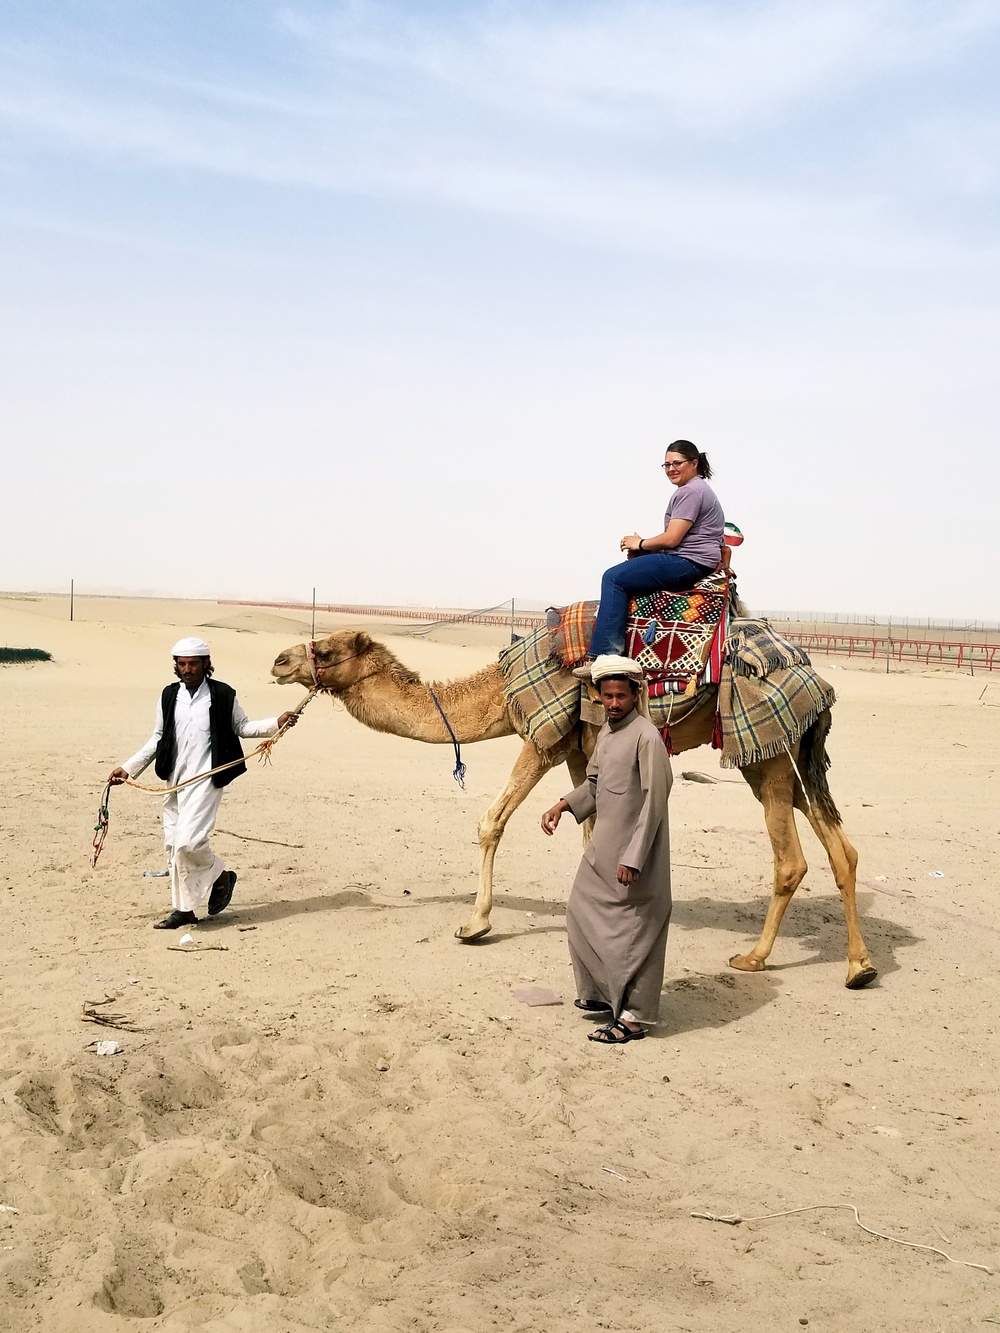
x: 459, y: 773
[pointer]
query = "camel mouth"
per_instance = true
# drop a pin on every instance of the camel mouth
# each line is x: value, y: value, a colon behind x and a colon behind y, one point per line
x: 287, y: 666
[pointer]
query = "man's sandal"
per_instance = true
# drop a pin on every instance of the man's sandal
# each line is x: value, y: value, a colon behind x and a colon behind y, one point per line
x: 593, y: 1006
x: 615, y: 1034
x: 222, y: 892
x: 175, y: 920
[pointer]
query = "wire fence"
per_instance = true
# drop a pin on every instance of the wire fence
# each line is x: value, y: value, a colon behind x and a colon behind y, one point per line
x: 964, y: 645
x: 503, y: 615
x: 928, y: 624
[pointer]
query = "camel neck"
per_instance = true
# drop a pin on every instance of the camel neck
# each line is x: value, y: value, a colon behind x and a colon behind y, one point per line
x: 386, y: 700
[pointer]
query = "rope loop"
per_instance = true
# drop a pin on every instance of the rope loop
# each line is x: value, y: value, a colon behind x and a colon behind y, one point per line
x: 262, y: 752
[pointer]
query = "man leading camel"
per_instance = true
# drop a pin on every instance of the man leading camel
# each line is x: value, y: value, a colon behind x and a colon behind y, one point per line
x: 199, y: 722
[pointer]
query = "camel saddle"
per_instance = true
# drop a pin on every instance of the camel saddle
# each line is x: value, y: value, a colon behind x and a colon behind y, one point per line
x: 676, y: 637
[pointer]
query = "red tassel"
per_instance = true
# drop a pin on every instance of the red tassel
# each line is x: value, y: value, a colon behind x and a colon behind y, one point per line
x: 668, y: 740
x: 717, y: 732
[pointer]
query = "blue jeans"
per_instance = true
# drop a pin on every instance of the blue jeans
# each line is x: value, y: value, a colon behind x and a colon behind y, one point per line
x: 643, y: 573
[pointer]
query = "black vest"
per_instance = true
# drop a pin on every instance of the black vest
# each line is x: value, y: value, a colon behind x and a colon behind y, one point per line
x: 225, y: 742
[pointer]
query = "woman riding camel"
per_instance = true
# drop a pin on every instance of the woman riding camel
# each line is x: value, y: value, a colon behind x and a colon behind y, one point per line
x: 688, y: 548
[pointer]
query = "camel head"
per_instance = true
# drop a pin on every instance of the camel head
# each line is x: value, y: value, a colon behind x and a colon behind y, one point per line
x: 340, y: 661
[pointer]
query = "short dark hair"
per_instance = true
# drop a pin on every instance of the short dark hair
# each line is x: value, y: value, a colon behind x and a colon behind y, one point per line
x: 693, y: 455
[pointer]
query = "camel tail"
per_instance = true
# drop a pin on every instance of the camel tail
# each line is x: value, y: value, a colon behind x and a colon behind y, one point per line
x: 738, y: 607
x: 813, y: 763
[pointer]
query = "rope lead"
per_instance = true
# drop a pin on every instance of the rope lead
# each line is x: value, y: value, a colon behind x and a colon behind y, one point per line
x: 262, y: 753
x: 459, y: 771
x: 102, y: 825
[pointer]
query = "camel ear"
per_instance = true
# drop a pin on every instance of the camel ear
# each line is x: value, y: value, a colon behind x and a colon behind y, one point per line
x: 362, y: 642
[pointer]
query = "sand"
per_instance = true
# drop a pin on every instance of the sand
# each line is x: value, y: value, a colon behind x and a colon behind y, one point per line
x: 343, y: 1118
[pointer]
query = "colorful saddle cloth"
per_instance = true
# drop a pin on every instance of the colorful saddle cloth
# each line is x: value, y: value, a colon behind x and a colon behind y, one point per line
x: 676, y: 637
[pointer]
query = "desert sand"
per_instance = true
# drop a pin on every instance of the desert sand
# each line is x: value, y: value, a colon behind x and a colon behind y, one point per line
x: 342, y: 1118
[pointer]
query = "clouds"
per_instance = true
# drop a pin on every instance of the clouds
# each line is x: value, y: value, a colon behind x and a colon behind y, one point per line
x: 426, y: 250
x: 685, y: 129
x: 712, y: 69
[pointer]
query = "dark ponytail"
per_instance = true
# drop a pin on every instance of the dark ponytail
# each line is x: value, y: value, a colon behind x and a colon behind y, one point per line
x: 687, y: 450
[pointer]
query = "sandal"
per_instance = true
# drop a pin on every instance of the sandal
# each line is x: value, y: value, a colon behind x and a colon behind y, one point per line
x: 615, y: 1034
x: 593, y: 1006
x: 175, y: 920
x: 222, y: 892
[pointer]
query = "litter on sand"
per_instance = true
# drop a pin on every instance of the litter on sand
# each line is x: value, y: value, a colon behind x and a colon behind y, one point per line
x: 155, y: 874
x: 105, y: 1048
x: 935, y: 874
x: 536, y: 995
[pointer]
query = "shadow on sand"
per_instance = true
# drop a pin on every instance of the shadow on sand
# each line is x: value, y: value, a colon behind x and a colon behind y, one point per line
x: 817, y: 923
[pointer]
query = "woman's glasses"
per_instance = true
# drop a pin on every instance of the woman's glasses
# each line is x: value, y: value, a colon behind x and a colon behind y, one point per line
x: 671, y: 467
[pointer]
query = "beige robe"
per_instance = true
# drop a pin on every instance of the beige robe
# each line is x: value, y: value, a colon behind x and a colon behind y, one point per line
x: 618, y: 935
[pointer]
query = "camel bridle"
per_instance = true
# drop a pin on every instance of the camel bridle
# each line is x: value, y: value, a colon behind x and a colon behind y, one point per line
x: 318, y: 687
x: 317, y: 670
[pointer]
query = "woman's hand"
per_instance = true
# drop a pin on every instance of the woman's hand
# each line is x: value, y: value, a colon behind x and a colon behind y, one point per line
x: 627, y: 876
x: 550, y: 820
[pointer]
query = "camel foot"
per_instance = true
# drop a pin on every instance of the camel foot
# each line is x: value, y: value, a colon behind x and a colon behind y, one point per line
x: 863, y: 978
x: 468, y: 934
x: 746, y: 962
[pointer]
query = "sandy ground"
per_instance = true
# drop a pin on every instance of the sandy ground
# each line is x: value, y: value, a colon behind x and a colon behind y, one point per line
x: 343, y: 1119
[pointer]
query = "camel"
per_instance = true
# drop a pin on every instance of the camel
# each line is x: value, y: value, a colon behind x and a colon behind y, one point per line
x: 381, y: 693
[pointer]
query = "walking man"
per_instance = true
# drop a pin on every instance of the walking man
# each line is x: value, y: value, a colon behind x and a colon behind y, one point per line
x: 199, y: 722
x: 619, y: 907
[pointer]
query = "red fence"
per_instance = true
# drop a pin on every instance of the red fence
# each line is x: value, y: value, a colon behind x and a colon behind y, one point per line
x: 522, y: 620
x: 983, y: 656
x: 928, y: 651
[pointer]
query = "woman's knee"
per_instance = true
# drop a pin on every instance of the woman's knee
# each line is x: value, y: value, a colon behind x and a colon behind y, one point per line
x: 611, y: 580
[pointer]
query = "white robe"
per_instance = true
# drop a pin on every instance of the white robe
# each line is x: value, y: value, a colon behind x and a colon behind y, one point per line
x: 189, y: 815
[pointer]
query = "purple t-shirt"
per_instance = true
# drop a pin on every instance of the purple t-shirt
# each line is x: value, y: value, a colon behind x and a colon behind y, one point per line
x: 698, y: 503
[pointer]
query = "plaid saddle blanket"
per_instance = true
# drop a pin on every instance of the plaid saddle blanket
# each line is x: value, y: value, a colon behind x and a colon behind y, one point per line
x: 542, y: 694
x: 754, y: 648
x: 762, y: 715
x: 676, y: 637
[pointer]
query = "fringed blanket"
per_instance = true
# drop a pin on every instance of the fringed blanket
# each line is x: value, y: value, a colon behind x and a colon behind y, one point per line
x: 755, y: 649
x: 761, y: 716
x: 543, y: 696
x: 571, y: 628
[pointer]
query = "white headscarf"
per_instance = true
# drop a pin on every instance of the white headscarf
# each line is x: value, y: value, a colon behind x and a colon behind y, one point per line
x: 611, y: 665
x: 190, y: 648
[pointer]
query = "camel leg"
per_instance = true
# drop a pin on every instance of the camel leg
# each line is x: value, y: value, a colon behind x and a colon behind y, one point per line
x: 531, y: 765
x: 773, y: 783
x: 844, y: 863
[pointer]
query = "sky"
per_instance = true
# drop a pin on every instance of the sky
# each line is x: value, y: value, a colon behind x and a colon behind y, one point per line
x: 404, y: 300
